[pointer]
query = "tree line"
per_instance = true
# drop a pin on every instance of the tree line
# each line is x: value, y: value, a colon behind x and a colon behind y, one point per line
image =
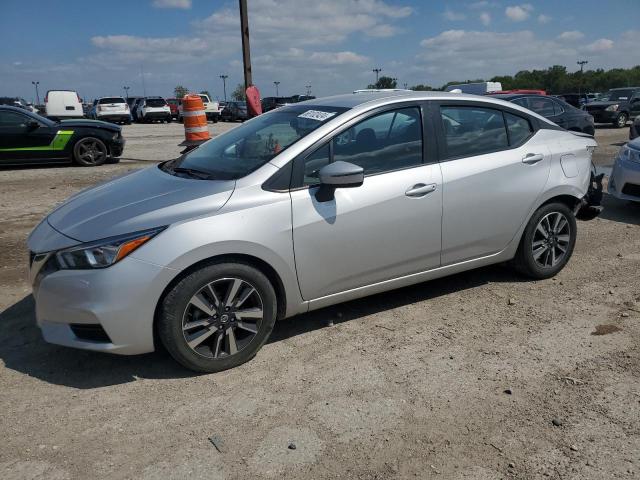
x: 555, y: 79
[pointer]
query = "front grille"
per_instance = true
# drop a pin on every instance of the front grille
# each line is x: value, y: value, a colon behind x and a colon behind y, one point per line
x: 631, y: 189
x: 90, y: 332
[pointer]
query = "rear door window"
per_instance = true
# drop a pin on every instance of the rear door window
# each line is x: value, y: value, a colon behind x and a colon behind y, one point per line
x: 470, y: 131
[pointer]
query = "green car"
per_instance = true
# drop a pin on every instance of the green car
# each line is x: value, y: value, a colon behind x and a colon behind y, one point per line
x: 28, y: 138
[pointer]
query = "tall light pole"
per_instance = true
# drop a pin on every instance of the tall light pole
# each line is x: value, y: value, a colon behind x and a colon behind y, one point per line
x: 224, y: 85
x: 246, y: 50
x: 582, y: 63
x: 37, y: 94
x: 376, y: 71
x: 308, y: 87
x: 126, y: 91
x: 276, y: 84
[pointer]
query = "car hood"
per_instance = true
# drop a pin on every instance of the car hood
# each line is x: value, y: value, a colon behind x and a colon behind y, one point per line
x: 604, y: 104
x: 145, y: 199
x: 90, y: 124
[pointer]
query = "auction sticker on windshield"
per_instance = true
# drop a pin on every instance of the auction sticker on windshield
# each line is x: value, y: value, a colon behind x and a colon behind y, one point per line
x: 317, y: 115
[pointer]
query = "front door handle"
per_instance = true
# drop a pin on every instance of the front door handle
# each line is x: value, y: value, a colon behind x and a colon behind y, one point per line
x: 532, y: 158
x: 420, y: 190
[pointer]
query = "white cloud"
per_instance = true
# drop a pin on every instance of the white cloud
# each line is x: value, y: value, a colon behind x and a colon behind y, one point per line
x: 453, y: 16
x: 518, y: 13
x: 542, y: 18
x: 483, y: 4
x: 571, y: 36
x: 183, y: 4
x: 599, y: 46
x: 485, y: 18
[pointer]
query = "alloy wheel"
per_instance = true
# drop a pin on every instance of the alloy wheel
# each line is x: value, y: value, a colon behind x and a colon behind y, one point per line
x: 551, y: 239
x: 622, y: 120
x: 222, y: 318
x: 91, y: 151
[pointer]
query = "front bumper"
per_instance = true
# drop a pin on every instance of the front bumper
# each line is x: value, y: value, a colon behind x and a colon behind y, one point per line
x: 602, y: 116
x: 624, y: 182
x: 119, y: 301
x: 116, y: 147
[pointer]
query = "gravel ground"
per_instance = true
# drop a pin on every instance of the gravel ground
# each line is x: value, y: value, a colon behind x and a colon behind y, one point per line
x: 480, y: 376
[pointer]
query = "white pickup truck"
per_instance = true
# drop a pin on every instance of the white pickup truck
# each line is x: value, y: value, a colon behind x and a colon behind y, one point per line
x: 211, y: 108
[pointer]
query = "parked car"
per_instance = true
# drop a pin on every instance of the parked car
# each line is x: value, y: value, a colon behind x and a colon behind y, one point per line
x: 131, y: 101
x: 234, y: 111
x: 134, y: 108
x: 111, y: 109
x: 271, y: 103
x: 617, y: 106
x: 304, y: 207
x: 28, y: 138
x: 173, y: 107
x: 554, y: 109
x: 61, y: 104
x: 624, y: 181
x: 478, y: 88
x: 634, y: 130
x: 151, y: 109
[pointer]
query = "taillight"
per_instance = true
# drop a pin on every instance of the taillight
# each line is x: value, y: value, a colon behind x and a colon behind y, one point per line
x: 46, y: 98
x: 78, y: 96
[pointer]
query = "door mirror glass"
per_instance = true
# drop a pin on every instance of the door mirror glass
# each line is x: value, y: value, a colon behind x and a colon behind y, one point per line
x: 341, y: 175
x: 32, y: 125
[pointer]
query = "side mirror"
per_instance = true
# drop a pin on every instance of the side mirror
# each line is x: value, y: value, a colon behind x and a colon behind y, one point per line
x: 338, y: 175
x: 32, y: 125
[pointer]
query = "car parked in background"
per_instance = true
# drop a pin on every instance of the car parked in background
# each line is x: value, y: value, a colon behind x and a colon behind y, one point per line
x: 304, y: 207
x: 234, y: 111
x: 111, y: 109
x: 211, y: 108
x: 134, y: 108
x: 151, y: 109
x: 556, y: 110
x: 61, y: 104
x: 173, y: 107
x: 624, y: 181
x: 131, y: 101
x: 28, y: 138
x: 617, y: 106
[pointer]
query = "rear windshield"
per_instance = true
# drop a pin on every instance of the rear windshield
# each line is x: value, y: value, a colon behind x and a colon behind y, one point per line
x: 243, y: 149
x: 102, y: 101
x: 156, y: 102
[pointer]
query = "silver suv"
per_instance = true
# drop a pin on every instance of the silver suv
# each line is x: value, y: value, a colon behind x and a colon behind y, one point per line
x: 307, y: 206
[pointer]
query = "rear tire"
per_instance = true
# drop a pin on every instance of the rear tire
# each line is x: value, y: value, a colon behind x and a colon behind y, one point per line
x: 217, y: 317
x: 547, y: 242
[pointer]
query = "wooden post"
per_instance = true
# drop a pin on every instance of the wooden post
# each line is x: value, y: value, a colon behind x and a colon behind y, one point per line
x: 246, y: 51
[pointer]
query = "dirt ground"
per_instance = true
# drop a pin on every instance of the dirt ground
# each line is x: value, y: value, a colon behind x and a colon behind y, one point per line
x: 480, y: 376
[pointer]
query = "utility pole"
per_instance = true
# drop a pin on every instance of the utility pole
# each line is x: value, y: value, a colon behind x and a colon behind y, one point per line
x: 246, y: 50
x: 144, y: 87
x: 276, y: 84
x: 224, y: 85
x: 582, y: 63
x: 37, y: 94
x: 308, y: 87
x: 126, y: 91
x: 376, y: 71
x: 405, y: 85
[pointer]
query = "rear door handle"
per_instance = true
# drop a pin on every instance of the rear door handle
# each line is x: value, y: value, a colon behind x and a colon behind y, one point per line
x: 532, y: 158
x: 420, y: 190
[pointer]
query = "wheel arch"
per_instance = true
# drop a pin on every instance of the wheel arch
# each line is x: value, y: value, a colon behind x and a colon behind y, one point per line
x: 251, y: 260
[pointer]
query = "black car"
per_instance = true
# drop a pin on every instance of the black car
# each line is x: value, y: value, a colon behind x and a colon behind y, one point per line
x: 616, y: 107
x: 556, y: 110
x: 27, y: 138
x: 234, y: 111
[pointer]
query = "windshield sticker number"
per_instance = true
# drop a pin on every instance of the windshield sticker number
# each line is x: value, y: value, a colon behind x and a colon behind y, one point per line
x: 317, y: 115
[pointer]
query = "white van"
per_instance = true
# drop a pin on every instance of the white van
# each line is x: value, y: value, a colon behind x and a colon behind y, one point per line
x: 63, y: 104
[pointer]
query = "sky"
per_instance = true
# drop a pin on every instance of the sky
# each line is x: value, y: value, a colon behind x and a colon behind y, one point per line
x: 98, y: 47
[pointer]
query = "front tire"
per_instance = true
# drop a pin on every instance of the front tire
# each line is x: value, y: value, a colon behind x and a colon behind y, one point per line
x: 217, y: 317
x: 90, y: 152
x: 621, y: 121
x: 547, y: 242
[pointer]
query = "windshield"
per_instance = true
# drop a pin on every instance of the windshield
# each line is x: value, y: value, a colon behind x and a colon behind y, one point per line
x: 204, y: 98
x: 111, y: 100
x: 613, y: 95
x: 249, y: 146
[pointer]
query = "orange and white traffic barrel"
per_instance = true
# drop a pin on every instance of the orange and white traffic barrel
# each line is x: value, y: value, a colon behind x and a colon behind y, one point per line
x: 195, y: 120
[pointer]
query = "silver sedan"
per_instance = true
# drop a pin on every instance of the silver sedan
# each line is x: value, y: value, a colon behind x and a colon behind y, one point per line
x: 624, y: 182
x: 307, y: 206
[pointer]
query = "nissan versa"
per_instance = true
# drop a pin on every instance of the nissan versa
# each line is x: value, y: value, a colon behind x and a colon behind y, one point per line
x: 306, y: 206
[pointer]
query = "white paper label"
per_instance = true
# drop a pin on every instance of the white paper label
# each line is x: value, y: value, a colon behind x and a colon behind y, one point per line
x: 317, y: 115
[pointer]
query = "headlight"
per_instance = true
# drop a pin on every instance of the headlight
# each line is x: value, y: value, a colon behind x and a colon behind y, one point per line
x: 103, y: 253
x: 629, y: 154
x: 612, y: 108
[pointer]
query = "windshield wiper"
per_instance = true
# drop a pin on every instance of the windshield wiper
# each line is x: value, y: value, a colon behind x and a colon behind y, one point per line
x: 193, y: 172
